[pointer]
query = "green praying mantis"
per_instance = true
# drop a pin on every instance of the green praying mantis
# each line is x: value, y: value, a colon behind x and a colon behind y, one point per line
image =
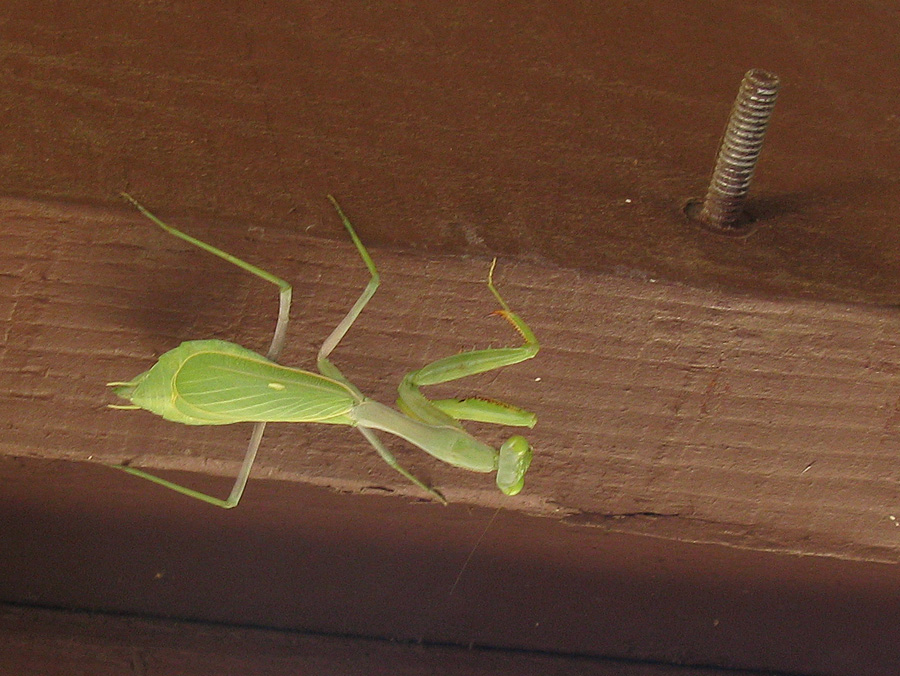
x: 215, y: 382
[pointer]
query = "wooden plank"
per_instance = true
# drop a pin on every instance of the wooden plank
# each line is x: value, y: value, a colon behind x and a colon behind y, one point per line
x: 663, y: 409
x: 40, y: 642
x: 302, y: 558
x: 691, y: 390
x: 571, y: 134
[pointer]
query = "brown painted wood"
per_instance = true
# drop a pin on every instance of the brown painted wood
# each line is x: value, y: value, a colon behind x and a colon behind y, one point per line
x: 50, y: 643
x: 570, y: 134
x: 739, y: 393
x: 756, y: 423
x: 298, y: 557
x: 665, y: 411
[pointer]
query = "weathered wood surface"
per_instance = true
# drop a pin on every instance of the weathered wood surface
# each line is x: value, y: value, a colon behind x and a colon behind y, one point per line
x: 569, y: 133
x: 299, y: 557
x: 662, y: 409
x: 51, y: 643
x: 691, y: 388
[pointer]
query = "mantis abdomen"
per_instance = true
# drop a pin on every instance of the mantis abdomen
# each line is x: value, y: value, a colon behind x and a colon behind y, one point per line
x: 214, y: 382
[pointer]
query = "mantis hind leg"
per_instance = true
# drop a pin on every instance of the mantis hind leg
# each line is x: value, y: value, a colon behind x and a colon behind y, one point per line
x: 284, y: 307
x: 285, y: 291
x: 237, y: 490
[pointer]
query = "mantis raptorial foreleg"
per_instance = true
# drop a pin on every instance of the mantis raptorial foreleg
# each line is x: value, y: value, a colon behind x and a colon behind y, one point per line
x: 459, y: 366
x: 213, y: 382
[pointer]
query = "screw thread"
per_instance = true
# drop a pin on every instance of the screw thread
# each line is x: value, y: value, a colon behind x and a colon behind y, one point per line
x: 740, y: 149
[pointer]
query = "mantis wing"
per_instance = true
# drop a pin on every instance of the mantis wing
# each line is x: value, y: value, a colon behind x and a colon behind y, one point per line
x: 214, y: 382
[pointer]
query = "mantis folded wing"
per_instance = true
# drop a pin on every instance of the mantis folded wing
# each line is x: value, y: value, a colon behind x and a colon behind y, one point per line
x: 214, y: 382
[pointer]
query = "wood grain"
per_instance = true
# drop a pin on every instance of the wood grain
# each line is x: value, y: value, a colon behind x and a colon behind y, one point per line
x: 757, y: 423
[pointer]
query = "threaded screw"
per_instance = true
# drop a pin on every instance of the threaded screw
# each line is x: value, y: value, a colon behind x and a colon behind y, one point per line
x: 722, y: 210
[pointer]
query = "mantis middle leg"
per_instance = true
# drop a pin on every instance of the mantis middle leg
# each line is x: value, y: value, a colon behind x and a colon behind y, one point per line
x: 326, y: 366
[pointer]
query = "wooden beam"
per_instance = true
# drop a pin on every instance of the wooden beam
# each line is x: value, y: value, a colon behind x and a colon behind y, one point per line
x: 767, y: 424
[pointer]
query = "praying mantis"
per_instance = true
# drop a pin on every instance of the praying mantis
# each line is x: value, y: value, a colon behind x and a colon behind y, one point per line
x: 215, y: 382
